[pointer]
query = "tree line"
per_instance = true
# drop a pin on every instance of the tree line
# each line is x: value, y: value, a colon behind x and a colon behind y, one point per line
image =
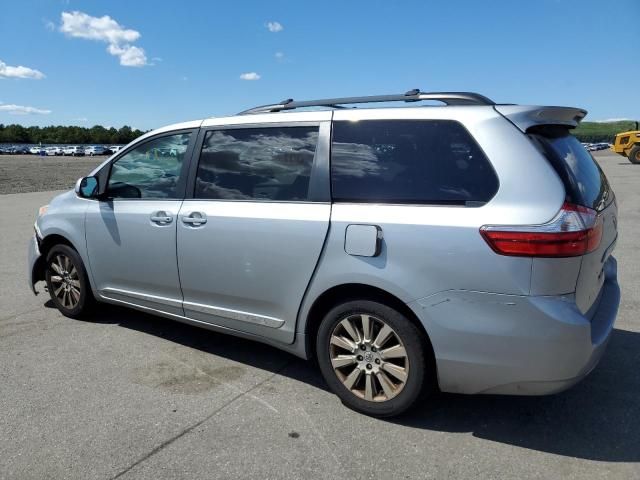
x: 596, y: 132
x: 591, y: 132
x: 66, y: 135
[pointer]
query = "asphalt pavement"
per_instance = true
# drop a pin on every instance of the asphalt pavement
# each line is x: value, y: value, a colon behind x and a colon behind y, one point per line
x: 130, y: 395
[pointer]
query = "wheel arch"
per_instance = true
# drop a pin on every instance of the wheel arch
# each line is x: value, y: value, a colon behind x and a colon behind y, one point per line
x: 359, y: 291
x: 54, y: 239
x: 45, y: 245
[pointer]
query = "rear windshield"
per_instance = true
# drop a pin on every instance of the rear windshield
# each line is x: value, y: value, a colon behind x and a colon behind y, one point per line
x: 584, y: 181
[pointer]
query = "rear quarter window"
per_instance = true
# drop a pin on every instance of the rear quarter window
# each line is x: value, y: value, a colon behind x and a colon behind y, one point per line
x: 409, y: 161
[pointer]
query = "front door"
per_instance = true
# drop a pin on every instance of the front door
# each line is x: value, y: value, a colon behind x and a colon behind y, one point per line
x: 131, y: 235
x: 249, y: 240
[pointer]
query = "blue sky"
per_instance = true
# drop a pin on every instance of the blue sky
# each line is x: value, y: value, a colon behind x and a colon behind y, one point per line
x: 153, y: 63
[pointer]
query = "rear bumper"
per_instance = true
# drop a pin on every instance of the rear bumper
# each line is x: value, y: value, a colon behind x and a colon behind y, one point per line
x: 521, y: 345
x: 34, y: 259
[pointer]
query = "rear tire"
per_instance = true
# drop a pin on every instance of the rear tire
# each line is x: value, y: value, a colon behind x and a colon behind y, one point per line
x: 372, y: 357
x: 67, y: 282
x: 634, y: 155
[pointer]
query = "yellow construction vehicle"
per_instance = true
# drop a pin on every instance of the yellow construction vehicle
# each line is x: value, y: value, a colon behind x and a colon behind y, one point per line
x: 627, y: 144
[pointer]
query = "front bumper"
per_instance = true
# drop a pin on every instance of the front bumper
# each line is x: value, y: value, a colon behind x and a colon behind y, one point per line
x: 521, y: 345
x: 34, y: 262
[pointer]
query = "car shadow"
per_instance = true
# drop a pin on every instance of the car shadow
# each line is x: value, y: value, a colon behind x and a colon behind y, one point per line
x: 598, y: 419
x: 237, y: 349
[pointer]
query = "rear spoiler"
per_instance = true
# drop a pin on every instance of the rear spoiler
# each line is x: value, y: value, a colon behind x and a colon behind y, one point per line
x: 525, y: 117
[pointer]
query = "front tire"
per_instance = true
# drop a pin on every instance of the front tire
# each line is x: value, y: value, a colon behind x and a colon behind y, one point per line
x: 634, y: 155
x: 372, y: 357
x: 67, y: 282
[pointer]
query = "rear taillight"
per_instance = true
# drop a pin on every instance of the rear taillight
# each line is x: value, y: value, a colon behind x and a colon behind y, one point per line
x: 574, y: 231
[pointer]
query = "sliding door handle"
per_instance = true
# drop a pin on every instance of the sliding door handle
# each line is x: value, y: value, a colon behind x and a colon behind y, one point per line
x: 195, y: 219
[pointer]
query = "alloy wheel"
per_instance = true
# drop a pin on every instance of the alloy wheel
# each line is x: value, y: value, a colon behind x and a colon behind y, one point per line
x: 369, y: 358
x: 65, y: 281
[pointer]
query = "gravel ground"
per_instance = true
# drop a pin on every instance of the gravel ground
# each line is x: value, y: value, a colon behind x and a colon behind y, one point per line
x: 132, y: 396
x: 32, y: 173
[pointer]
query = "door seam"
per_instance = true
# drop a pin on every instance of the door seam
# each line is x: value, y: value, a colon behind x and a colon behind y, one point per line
x: 177, y: 259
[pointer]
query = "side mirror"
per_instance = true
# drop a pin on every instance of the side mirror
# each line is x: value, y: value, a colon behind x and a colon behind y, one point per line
x: 87, y: 187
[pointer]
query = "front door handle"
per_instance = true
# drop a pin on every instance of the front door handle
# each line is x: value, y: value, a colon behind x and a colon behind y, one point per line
x: 195, y: 219
x: 161, y: 217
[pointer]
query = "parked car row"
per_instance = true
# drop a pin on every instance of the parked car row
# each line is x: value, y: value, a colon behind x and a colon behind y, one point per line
x: 70, y: 150
x: 593, y: 147
x: 14, y: 150
x: 74, y: 151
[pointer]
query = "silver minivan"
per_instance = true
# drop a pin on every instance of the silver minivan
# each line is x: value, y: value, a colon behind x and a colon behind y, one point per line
x: 408, y: 249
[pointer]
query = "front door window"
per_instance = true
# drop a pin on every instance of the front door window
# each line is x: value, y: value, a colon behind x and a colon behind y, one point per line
x: 150, y: 171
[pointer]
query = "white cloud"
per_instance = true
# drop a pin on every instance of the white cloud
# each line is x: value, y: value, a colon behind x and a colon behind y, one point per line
x: 22, y: 110
x: 130, y: 55
x: 105, y: 29
x: 81, y: 119
x: 250, y: 76
x: 7, y: 71
x: 279, y: 56
x: 275, y: 27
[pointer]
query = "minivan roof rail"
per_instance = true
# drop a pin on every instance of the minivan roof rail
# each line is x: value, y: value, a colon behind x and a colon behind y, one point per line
x: 415, y: 95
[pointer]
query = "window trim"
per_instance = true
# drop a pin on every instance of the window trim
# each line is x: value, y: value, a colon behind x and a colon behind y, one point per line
x: 105, y: 172
x: 319, y: 181
x: 414, y: 203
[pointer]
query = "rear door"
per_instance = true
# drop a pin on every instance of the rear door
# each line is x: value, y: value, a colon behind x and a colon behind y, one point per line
x: 250, y: 237
x: 586, y: 185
